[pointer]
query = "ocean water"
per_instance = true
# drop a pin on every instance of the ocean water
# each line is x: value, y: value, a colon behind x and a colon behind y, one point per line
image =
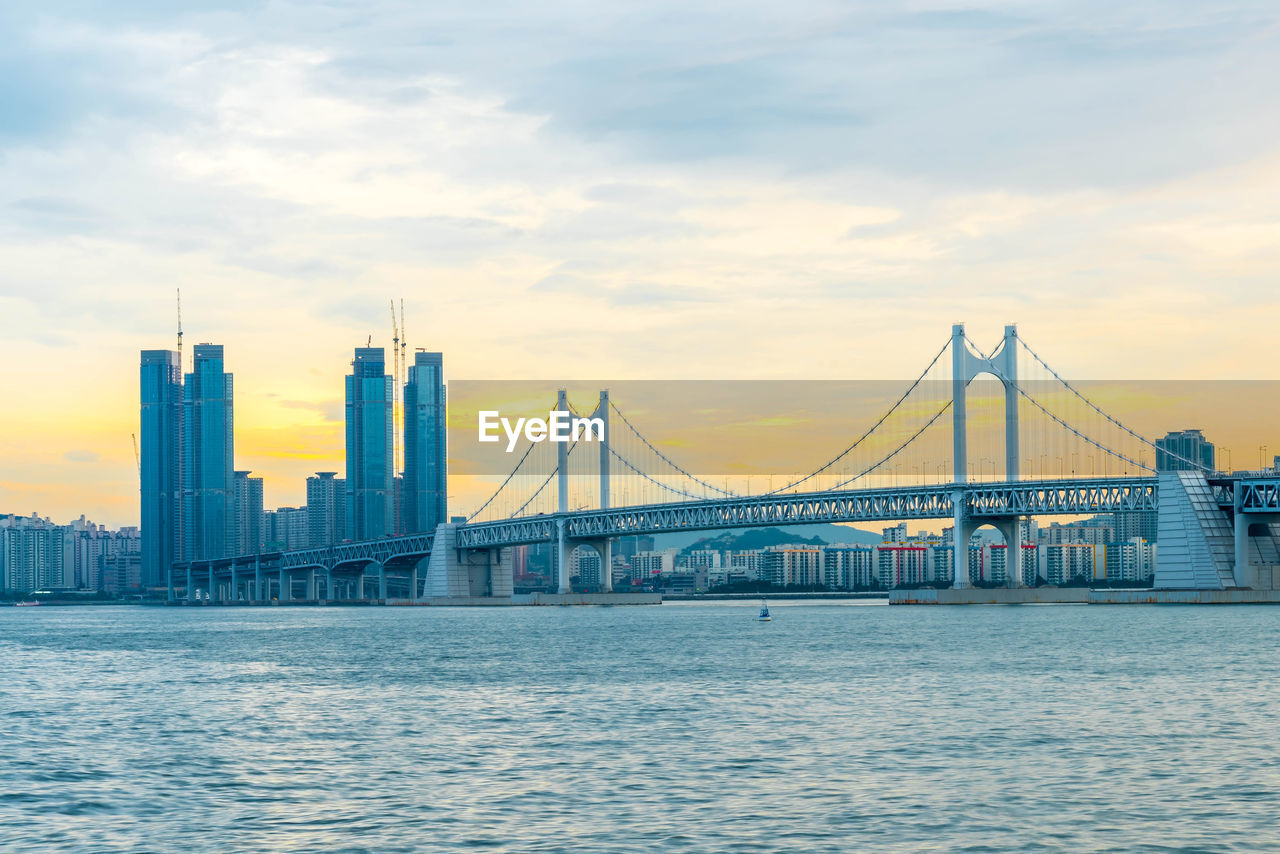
x: 681, y: 727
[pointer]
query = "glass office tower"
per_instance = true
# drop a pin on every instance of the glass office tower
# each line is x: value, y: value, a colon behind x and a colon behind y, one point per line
x: 425, y: 459
x: 160, y: 461
x: 208, y: 458
x: 370, y: 465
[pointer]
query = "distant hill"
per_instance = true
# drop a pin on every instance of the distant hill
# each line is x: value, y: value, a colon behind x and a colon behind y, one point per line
x: 759, y: 538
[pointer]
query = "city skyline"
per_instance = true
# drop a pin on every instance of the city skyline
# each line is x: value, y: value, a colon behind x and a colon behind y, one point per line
x: 285, y: 485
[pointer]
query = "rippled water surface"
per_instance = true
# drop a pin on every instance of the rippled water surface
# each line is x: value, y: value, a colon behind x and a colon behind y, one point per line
x: 671, y: 728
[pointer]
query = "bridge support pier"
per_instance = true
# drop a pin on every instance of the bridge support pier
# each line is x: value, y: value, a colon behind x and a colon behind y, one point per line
x: 1245, y: 573
x: 257, y: 580
x: 382, y: 583
x: 286, y: 586
x: 312, y: 593
x: 328, y: 583
x: 960, y: 534
x: 235, y: 583
x: 191, y: 590
x: 606, y: 565
x: 562, y: 557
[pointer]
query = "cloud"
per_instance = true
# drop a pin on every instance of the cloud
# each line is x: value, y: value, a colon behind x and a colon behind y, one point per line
x: 81, y: 456
x: 801, y: 189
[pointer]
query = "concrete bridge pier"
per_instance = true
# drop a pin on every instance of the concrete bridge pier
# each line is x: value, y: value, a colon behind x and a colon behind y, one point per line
x: 257, y: 580
x: 1245, y: 527
x: 606, y: 565
x: 382, y: 582
x: 562, y: 557
x: 191, y: 590
x: 312, y: 593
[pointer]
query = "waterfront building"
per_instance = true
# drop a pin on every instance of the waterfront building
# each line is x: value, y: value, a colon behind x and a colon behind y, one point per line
x: 849, y: 568
x: 896, y: 534
x: 160, y: 463
x: 248, y: 509
x: 326, y: 509
x: 370, y: 465
x: 940, y: 565
x: 1092, y: 533
x: 35, y: 554
x: 208, y: 454
x: 94, y: 544
x: 647, y: 566
x: 707, y: 559
x: 901, y: 564
x: 746, y: 563
x: 1060, y: 563
x: 788, y: 565
x: 425, y: 448
x: 120, y: 574
x: 584, y: 563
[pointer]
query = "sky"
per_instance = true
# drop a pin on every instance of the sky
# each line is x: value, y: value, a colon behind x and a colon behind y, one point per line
x: 572, y: 190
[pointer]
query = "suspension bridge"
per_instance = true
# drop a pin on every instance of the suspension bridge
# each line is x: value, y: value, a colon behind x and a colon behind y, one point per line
x: 910, y: 462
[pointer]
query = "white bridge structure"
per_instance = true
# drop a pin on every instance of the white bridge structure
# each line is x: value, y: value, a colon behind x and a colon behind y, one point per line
x: 1216, y: 529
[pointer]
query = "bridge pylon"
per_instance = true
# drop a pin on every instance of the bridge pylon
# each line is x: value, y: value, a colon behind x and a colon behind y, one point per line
x: 965, y: 366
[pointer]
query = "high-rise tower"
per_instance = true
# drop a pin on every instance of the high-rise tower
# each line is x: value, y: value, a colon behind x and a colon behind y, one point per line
x: 326, y: 509
x: 369, y: 455
x: 160, y: 464
x: 248, y: 507
x: 208, y: 457
x: 425, y: 459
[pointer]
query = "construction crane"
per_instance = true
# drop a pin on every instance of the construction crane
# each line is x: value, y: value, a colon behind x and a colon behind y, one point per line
x: 403, y: 346
x: 179, y: 332
x: 137, y: 456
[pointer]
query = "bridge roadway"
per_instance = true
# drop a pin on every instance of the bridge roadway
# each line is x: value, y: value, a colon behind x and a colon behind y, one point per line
x: 1004, y: 499
x: 1258, y: 493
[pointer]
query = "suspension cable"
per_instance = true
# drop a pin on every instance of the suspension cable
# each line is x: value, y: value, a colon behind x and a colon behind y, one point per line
x: 895, y: 451
x: 1073, y: 430
x: 667, y: 459
x: 874, y: 427
x: 667, y: 487
x: 1096, y: 409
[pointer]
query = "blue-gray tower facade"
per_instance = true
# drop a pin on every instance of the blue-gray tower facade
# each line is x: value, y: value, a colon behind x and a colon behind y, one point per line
x: 1184, y: 450
x: 370, y: 465
x: 208, y: 457
x: 425, y: 449
x: 160, y: 461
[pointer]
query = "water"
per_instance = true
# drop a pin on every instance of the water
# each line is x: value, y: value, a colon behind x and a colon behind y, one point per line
x: 671, y: 728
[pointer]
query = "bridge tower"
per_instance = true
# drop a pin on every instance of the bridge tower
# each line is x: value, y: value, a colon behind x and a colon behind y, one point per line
x: 965, y: 366
x: 562, y: 505
x: 605, y: 547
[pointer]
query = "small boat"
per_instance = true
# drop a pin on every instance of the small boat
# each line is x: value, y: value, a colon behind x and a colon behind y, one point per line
x: 764, y: 612
x: 31, y: 604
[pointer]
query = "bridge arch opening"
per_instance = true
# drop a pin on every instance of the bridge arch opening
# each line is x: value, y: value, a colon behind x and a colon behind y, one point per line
x: 992, y: 561
x: 586, y: 567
